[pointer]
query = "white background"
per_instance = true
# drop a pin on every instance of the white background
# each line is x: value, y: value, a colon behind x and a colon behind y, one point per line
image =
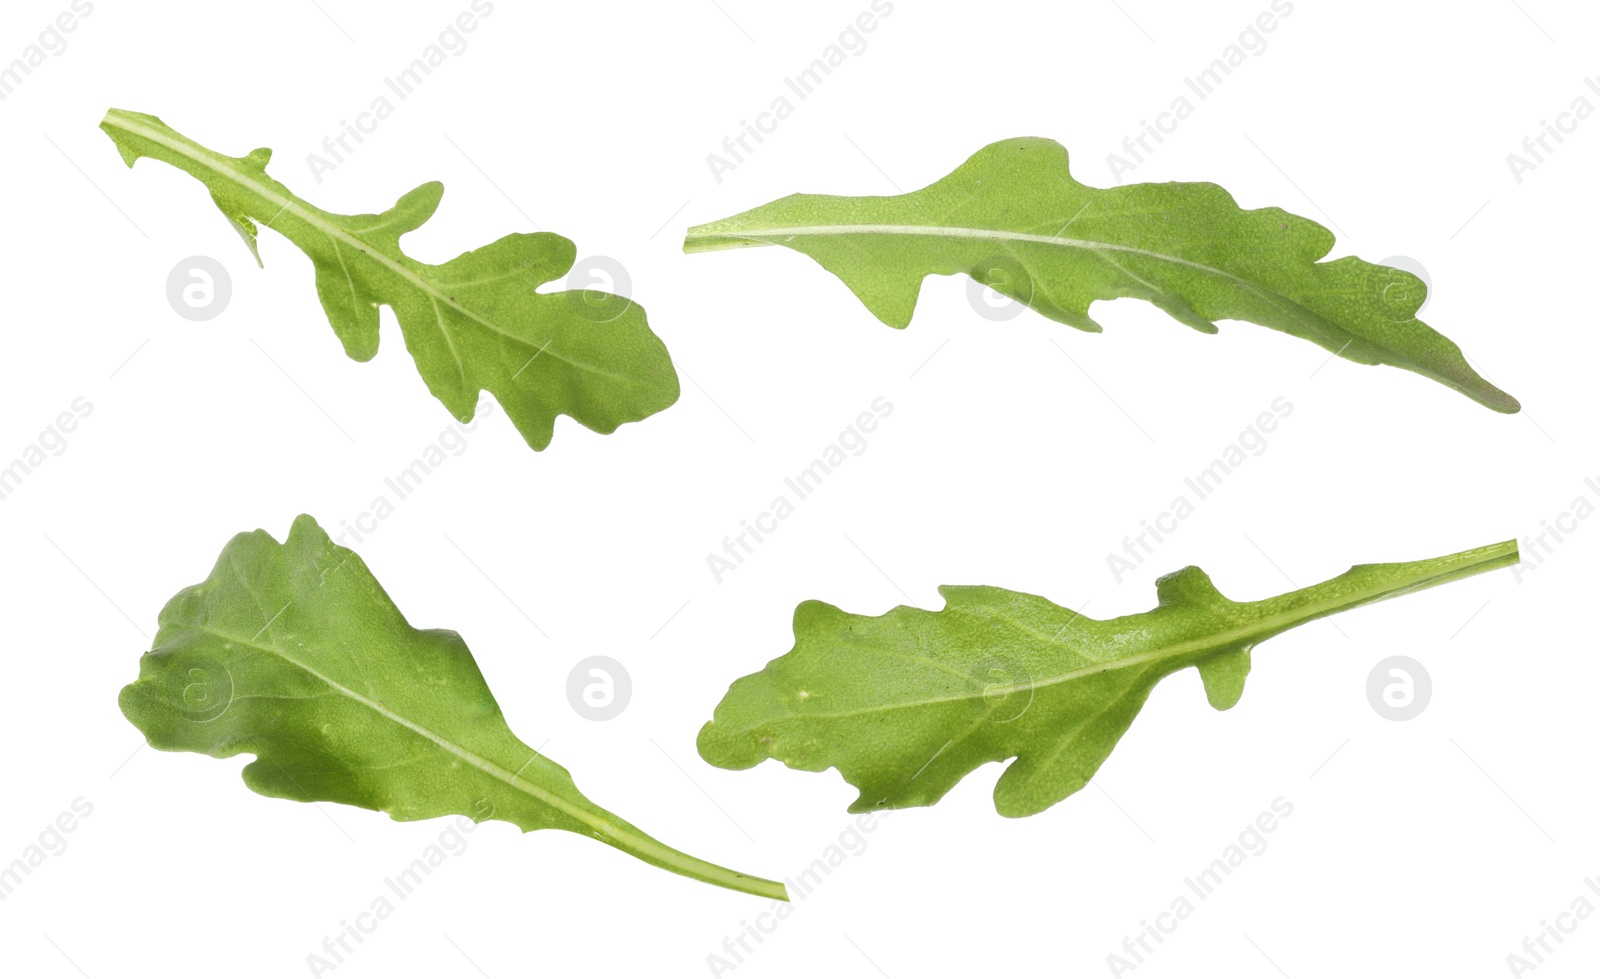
x: 1429, y: 847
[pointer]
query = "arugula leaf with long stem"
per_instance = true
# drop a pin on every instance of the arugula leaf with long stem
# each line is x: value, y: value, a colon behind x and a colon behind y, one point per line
x: 905, y: 704
x: 473, y: 324
x: 1014, y: 219
x: 294, y: 653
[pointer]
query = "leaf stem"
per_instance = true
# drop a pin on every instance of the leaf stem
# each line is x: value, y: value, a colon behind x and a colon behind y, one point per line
x: 1368, y: 583
x: 643, y: 847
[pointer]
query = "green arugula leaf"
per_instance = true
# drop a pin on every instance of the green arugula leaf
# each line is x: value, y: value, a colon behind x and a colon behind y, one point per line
x: 294, y: 653
x: 1014, y: 219
x: 474, y: 323
x: 905, y: 704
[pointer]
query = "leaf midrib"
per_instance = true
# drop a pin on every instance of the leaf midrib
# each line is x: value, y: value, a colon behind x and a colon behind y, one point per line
x: 224, y: 165
x: 627, y: 839
x: 633, y: 841
x: 624, y: 838
x: 1252, y: 633
x: 460, y: 751
x: 945, y: 231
